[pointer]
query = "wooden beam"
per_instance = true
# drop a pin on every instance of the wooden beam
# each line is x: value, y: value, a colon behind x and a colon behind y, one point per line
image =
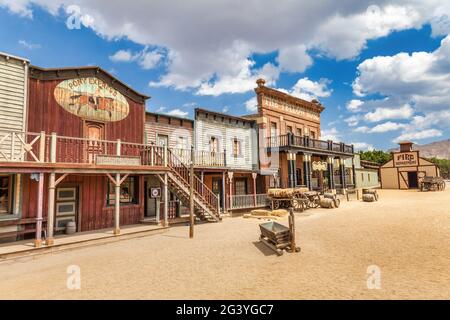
x: 61, y: 179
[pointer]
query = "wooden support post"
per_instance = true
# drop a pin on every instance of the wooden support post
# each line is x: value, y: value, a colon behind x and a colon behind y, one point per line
x: 230, y: 178
x: 40, y: 204
x: 42, y: 147
x: 165, y: 156
x: 13, y: 145
x: 254, y: 175
x: 224, y: 193
x: 117, y: 206
x: 118, y: 147
x: 166, y: 200
x: 191, y: 196
x: 53, y: 148
x: 51, y: 209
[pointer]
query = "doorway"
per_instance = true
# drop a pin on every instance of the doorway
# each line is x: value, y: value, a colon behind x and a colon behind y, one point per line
x: 413, y: 180
x: 217, y: 189
x: 66, y: 207
x: 95, y: 132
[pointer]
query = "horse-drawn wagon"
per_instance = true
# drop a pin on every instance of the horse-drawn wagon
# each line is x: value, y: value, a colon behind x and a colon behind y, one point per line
x: 432, y: 184
x: 297, y: 198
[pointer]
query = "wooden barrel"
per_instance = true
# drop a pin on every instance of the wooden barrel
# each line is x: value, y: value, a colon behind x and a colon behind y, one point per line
x: 71, y: 227
x: 368, y: 197
x: 327, y: 203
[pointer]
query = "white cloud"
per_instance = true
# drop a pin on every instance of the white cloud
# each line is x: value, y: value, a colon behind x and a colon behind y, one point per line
x: 362, y: 129
x: 386, y: 127
x: 252, y: 105
x: 330, y: 134
x: 419, y: 135
x: 294, y: 59
x: 146, y: 59
x: 354, y: 105
x: 404, y: 112
x: 353, y: 121
x: 178, y: 113
x: 307, y: 89
x: 362, y: 146
x: 122, y: 56
x: 214, y: 51
x: 225, y: 109
x: 28, y: 45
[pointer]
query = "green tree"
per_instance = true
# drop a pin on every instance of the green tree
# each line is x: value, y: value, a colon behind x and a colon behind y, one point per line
x: 443, y: 164
x: 378, y: 156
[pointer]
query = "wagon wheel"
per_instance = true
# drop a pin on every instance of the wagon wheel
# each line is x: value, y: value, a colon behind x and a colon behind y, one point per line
x: 297, y: 204
x: 337, y: 202
x: 275, y: 205
x: 314, y: 201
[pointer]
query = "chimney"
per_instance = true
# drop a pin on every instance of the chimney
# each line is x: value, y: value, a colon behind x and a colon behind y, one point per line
x: 405, y: 146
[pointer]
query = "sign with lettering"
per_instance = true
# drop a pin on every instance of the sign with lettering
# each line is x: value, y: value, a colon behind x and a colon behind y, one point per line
x: 284, y: 106
x: 319, y: 166
x: 91, y: 99
x: 117, y: 160
x: 406, y: 159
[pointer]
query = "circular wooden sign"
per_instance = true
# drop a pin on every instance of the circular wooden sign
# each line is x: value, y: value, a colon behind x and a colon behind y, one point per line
x: 91, y: 99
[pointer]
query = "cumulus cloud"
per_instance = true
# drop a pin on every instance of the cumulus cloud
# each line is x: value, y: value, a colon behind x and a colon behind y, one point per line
x: 307, y: 89
x: 354, y: 105
x: 404, y: 112
x: 362, y: 146
x: 330, y: 134
x: 419, y: 135
x: 146, y: 59
x: 209, y: 44
x: 386, y: 127
x: 251, y: 105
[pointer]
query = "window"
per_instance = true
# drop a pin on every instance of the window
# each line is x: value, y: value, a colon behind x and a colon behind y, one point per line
x: 362, y: 176
x: 240, y: 186
x: 313, y: 135
x: 5, y: 194
x: 128, y: 191
x: 213, y: 144
x: 299, y: 132
x: 289, y: 129
x: 236, y: 147
x: 162, y: 140
x: 273, y: 129
x: 182, y: 143
x: 368, y: 177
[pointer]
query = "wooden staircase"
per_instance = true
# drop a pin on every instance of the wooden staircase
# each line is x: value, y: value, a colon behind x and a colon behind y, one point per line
x: 206, y: 203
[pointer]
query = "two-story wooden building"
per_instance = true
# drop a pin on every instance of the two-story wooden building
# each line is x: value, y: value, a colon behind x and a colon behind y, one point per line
x: 77, y: 154
x: 291, y: 153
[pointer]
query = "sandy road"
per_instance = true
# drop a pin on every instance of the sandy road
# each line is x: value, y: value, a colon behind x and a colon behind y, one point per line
x: 406, y: 235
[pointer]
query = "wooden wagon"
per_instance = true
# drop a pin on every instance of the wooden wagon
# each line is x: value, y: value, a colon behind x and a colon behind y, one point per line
x: 287, y: 198
x: 432, y: 184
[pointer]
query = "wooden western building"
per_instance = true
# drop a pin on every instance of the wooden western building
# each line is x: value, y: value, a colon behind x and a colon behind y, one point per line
x: 291, y: 153
x: 406, y: 169
x: 78, y: 155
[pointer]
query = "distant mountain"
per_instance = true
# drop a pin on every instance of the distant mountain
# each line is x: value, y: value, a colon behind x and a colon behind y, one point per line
x: 438, y: 149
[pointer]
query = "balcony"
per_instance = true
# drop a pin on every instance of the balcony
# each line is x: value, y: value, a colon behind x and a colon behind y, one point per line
x: 51, y: 150
x: 307, y: 143
x: 202, y: 158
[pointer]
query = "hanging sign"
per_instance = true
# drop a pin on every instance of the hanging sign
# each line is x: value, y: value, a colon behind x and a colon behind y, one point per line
x: 319, y: 166
x: 91, y: 99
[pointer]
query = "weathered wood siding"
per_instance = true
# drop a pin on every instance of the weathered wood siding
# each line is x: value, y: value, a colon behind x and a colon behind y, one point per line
x: 93, y: 211
x: 47, y: 115
x: 13, y: 90
x: 171, y: 127
x: 226, y: 130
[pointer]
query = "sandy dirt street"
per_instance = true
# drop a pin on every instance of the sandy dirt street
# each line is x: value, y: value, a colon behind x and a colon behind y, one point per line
x: 406, y: 236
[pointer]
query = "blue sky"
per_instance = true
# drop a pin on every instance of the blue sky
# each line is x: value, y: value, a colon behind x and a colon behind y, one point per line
x: 373, y: 94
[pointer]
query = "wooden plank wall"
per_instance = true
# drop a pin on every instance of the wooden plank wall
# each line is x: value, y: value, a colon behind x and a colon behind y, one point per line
x: 12, y: 98
x: 45, y: 114
x: 95, y: 214
x: 226, y: 131
x: 172, y: 127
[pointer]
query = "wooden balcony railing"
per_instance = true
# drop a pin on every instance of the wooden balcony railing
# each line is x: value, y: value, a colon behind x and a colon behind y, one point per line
x: 50, y: 148
x: 247, y: 201
x: 202, y: 158
x: 291, y: 140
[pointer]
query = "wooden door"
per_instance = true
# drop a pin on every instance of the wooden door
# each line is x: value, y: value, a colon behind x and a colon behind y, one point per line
x: 66, y: 207
x: 95, y: 132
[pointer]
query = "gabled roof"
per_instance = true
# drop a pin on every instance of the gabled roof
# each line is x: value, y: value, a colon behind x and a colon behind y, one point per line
x: 87, y: 71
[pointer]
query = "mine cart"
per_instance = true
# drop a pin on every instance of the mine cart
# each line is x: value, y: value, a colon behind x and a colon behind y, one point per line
x: 279, y: 237
x: 287, y: 198
x: 432, y: 184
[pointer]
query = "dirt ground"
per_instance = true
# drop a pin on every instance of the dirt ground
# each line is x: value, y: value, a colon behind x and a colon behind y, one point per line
x: 405, y: 236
